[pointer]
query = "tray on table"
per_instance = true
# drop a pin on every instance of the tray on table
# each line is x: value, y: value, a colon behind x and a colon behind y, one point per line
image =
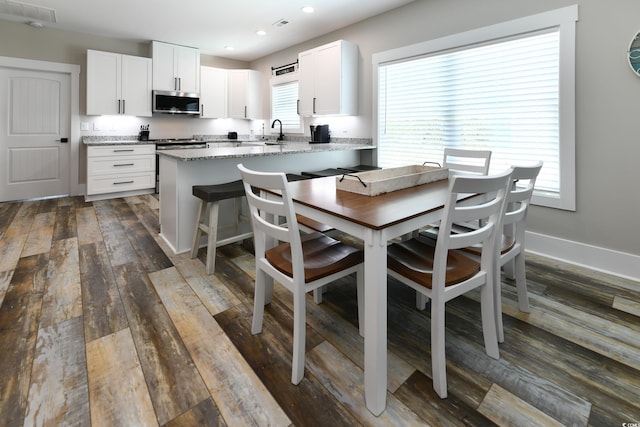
x: 373, y: 183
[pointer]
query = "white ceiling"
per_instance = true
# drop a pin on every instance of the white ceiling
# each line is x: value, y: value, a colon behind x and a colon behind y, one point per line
x: 209, y: 25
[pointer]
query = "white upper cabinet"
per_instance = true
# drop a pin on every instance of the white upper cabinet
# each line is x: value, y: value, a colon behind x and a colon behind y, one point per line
x: 118, y: 84
x: 244, y: 94
x: 175, y: 68
x: 213, y: 92
x: 328, y: 82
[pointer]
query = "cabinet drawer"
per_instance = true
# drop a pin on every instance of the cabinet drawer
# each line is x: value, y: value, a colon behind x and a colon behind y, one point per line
x: 117, y: 183
x: 120, y: 164
x: 120, y: 150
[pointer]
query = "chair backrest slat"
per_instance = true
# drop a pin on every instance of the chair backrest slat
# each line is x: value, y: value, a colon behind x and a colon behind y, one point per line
x: 461, y: 160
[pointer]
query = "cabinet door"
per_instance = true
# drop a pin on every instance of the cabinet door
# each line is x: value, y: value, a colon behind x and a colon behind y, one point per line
x: 187, y: 69
x: 163, y: 66
x: 175, y: 67
x: 329, y: 79
x: 103, y: 82
x: 327, y: 83
x: 254, y: 94
x: 136, y: 86
x: 306, y: 83
x: 244, y: 94
x: 237, y: 93
x: 213, y: 92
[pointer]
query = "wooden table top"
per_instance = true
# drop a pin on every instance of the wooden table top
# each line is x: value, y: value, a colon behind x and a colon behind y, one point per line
x: 375, y: 212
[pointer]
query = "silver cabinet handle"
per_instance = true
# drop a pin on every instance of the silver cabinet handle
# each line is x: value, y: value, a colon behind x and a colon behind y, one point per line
x: 123, y: 106
x: 314, y: 105
x: 123, y: 182
x: 123, y: 164
x: 123, y: 150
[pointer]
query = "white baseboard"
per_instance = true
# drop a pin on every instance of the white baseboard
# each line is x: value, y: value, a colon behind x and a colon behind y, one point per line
x: 593, y: 257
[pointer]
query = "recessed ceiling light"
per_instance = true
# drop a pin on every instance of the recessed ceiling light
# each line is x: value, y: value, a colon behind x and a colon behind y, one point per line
x: 229, y: 47
x: 261, y: 32
x: 307, y: 9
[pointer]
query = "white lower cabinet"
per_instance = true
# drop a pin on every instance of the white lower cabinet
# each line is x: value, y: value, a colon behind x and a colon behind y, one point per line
x: 120, y: 170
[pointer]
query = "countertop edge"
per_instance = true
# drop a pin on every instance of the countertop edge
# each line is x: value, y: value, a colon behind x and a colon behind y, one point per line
x: 271, y: 150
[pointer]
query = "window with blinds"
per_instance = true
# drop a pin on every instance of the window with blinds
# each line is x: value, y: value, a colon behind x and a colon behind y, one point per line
x: 501, y: 97
x: 508, y: 88
x: 284, y: 104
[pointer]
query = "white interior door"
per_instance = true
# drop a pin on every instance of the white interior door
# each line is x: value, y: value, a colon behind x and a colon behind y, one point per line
x: 34, y: 134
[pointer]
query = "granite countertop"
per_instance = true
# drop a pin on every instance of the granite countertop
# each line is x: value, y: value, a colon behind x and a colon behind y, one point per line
x: 252, y: 149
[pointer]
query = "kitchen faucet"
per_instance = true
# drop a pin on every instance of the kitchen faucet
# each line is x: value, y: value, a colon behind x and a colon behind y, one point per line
x: 281, y: 136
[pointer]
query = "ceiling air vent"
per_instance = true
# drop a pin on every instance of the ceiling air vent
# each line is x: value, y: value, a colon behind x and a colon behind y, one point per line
x: 26, y: 10
x: 280, y: 23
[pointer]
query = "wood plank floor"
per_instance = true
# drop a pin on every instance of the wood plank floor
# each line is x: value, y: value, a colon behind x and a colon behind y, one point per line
x: 101, y: 325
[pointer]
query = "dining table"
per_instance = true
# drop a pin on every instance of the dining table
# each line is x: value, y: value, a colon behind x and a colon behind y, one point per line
x: 375, y: 220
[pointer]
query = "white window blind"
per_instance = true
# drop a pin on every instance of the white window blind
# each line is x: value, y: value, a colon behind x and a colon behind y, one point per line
x: 284, y: 104
x: 502, y: 96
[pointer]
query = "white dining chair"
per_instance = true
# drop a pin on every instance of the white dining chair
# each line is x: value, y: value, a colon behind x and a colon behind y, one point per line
x: 441, y: 272
x: 511, y: 254
x: 511, y: 244
x: 301, y: 263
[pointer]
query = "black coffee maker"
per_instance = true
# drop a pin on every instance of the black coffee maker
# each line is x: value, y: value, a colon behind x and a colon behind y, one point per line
x: 319, y: 134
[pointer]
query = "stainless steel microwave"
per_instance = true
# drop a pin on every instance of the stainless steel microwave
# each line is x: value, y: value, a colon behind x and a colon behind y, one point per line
x: 171, y: 102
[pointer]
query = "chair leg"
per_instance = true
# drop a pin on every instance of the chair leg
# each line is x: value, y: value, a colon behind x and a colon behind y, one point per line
x: 195, y: 246
x: 497, y: 303
x: 212, y: 237
x: 521, y: 283
x: 268, y: 289
x: 299, y: 333
x: 317, y: 294
x: 421, y: 301
x: 487, y: 312
x: 509, y: 269
x: 258, y: 302
x: 360, y: 292
x: 438, y: 358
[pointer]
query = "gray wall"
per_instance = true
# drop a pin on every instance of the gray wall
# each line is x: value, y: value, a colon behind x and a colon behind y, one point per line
x: 607, y: 101
x: 608, y: 94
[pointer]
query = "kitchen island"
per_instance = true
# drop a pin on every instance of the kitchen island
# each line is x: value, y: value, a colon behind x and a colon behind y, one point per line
x: 180, y: 170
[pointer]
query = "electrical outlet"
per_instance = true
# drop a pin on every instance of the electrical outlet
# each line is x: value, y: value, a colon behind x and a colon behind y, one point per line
x: 84, y: 126
x: 96, y: 126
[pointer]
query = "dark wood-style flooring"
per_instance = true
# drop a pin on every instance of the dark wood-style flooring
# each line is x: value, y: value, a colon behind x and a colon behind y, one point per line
x: 101, y: 325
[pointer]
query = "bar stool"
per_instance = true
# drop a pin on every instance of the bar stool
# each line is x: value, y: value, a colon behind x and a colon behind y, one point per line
x: 210, y: 197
